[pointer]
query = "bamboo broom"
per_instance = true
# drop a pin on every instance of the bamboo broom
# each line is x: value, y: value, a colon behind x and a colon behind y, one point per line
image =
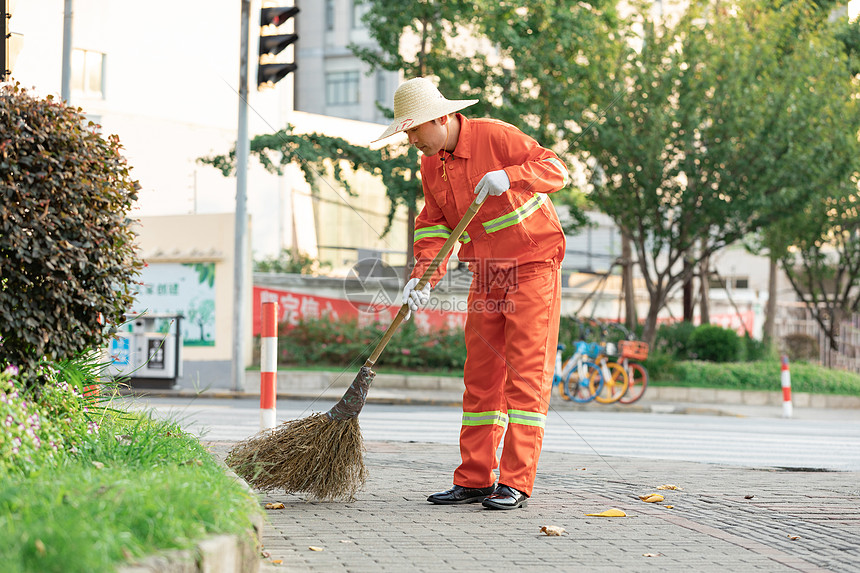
x: 323, y: 454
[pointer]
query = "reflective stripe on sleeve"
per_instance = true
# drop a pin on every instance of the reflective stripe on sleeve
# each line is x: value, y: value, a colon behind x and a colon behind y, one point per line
x: 527, y: 418
x: 515, y: 216
x: 435, y: 231
x: 485, y: 418
x: 561, y: 168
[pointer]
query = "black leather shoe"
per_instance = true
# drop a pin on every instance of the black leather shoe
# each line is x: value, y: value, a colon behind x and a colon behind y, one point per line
x: 460, y: 494
x: 506, y: 498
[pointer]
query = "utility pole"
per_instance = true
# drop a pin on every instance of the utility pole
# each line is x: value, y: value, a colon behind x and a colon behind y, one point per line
x: 66, y: 85
x: 241, y: 239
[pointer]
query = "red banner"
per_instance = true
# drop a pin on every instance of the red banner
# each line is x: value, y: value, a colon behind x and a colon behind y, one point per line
x: 294, y: 307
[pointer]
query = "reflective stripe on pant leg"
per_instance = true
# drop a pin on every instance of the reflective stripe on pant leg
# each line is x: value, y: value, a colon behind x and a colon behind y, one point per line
x: 532, y: 335
x: 484, y: 408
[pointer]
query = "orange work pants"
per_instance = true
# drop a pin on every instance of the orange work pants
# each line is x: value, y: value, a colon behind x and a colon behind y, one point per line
x: 511, y: 338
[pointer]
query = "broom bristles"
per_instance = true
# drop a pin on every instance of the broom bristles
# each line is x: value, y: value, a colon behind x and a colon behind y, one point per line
x: 317, y: 455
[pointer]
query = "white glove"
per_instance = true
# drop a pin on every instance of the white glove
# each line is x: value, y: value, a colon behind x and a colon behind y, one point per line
x: 415, y: 298
x: 493, y: 183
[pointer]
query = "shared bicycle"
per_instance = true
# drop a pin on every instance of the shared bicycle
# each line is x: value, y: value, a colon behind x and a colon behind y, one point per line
x: 590, y: 374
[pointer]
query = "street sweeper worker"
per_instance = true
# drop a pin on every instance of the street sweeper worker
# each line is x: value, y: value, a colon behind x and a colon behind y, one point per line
x: 514, y: 247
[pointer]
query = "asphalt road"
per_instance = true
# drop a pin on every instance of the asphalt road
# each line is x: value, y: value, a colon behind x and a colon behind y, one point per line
x: 828, y: 443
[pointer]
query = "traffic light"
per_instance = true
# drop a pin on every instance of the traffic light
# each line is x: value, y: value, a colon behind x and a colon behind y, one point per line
x: 269, y: 73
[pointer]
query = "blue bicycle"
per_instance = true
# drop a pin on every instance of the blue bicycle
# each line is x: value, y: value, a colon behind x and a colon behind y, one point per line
x: 578, y: 378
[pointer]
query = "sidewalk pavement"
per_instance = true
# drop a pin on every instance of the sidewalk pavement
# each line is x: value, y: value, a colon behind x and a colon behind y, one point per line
x: 723, y: 518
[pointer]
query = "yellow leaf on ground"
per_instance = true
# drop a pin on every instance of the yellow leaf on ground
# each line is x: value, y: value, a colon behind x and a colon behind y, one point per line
x: 669, y: 506
x: 608, y: 513
x: 276, y: 505
x: 668, y: 486
x: 313, y: 548
x: 651, y: 498
x: 277, y: 561
x: 552, y: 530
x: 794, y: 537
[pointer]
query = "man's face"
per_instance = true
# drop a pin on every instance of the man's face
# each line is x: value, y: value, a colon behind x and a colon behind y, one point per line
x: 429, y: 137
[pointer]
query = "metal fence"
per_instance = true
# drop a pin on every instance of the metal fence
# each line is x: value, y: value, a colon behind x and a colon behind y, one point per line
x: 797, y: 318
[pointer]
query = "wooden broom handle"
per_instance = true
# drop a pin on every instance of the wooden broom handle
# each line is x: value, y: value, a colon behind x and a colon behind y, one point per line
x: 425, y: 278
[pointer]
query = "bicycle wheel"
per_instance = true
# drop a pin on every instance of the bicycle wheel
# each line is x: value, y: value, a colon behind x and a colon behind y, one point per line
x: 638, y: 382
x: 615, y: 387
x: 558, y: 381
x: 583, y: 389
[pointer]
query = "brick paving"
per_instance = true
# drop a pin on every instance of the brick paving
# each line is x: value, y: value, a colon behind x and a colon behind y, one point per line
x: 724, y: 518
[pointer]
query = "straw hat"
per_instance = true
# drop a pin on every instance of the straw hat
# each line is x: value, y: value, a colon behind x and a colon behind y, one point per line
x: 418, y: 101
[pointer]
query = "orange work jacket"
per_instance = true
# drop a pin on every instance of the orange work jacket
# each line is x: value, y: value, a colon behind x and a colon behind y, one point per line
x: 514, y: 230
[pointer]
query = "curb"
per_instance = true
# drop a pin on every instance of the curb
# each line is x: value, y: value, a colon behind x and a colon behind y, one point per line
x: 658, y: 398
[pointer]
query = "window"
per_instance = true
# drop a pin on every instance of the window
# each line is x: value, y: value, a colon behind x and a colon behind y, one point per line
x: 329, y: 15
x: 359, y: 9
x: 341, y: 88
x: 381, y: 88
x: 88, y: 72
x: 731, y: 282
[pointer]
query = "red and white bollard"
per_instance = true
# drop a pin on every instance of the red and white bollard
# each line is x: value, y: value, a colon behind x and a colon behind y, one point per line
x: 786, y: 388
x: 268, y: 365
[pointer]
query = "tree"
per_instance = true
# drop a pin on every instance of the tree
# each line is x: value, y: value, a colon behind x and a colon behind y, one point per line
x: 820, y: 264
x: 290, y: 262
x: 66, y: 239
x: 320, y: 155
x: 720, y: 133
x: 524, y: 63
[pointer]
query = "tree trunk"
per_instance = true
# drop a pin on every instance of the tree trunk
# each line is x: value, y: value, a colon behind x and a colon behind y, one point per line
x: 649, y: 333
x: 769, y: 329
x: 627, y: 282
x: 705, y: 291
x: 688, y: 291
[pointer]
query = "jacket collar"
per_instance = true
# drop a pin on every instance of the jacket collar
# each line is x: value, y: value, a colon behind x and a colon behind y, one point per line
x: 464, y: 142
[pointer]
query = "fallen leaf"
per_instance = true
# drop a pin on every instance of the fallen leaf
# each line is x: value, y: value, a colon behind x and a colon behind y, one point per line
x: 668, y: 486
x: 277, y: 561
x: 552, y: 530
x: 40, y: 547
x: 580, y: 469
x: 98, y: 465
x: 265, y: 554
x: 313, y: 548
x: 668, y: 506
x: 749, y: 496
x: 651, y: 498
x: 650, y: 555
x: 608, y: 513
x: 794, y: 537
x: 347, y: 541
x: 276, y: 505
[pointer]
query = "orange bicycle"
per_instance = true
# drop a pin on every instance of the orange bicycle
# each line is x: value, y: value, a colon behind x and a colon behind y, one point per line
x: 637, y: 375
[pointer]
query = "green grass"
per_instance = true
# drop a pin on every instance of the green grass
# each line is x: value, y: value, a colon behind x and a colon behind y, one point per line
x: 759, y: 375
x: 138, y: 487
x: 762, y: 375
